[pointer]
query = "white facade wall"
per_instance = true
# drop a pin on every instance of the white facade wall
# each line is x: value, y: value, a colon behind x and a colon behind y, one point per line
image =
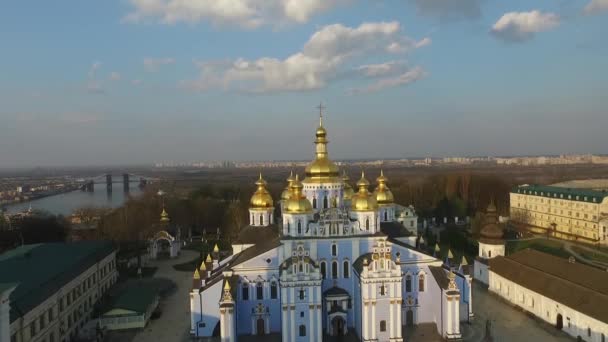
x: 55, y: 316
x: 320, y: 194
x: 574, y: 323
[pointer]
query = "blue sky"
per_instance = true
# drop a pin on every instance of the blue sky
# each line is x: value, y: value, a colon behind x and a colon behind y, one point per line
x: 138, y: 81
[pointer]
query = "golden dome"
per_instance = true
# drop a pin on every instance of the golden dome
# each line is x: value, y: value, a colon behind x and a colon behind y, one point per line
x: 363, y: 200
x: 383, y: 193
x: 322, y: 169
x: 261, y: 199
x: 348, y: 190
x: 287, y: 192
x: 297, y: 202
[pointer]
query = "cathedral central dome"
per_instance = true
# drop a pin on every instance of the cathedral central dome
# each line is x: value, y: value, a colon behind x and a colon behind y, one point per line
x: 322, y: 169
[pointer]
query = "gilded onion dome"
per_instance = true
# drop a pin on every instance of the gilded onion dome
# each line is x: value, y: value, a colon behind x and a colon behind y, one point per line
x: 261, y: 199
x: 348, y: 190
x: 491, y: 233
x: 322, y: 169
x: 164, y: 217
x: 363, y: 200
x: 297, y: 202
x: 382, y: 192
x: 287, y: 192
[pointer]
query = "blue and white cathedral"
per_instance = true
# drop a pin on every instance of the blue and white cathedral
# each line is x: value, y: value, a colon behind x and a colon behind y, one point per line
x: 334, y: 262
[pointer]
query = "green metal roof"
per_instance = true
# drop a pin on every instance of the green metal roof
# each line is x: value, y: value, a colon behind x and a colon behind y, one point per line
x: 581, y: 195
x: 42, y: 269
x: 135, y: 298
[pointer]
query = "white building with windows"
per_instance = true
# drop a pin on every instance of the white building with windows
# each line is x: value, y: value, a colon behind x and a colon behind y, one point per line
x: 54, y: 288
x: 333, y: 263
x: 571, y: 296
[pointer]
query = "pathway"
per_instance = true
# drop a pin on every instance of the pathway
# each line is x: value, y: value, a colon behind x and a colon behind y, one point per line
x: 174, y: 323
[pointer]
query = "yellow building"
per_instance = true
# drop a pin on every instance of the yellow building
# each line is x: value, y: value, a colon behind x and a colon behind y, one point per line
x: 573, y: 214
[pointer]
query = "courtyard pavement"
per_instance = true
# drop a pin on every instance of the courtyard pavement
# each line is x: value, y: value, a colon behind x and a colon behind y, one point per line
x: 508, y: 322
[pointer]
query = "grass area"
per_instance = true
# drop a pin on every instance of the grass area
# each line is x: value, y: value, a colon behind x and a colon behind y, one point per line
x: 188, y: 266
x: 542, y: 245
x: 601, y: 257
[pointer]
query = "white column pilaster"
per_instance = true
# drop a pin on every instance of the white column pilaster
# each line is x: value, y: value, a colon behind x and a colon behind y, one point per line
x: 292, y: 313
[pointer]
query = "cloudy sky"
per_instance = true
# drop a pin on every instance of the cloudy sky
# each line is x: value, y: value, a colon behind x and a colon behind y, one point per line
x: 139, y: 81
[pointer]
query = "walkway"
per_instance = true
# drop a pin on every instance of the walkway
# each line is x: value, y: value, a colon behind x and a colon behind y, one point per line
x: 174, y: 323
x: 508, y: 322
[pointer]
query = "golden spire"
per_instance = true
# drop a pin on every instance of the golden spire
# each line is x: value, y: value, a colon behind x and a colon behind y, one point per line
x: 382, y: 191
x: 463, y: 262
x: 209, y: 258
x: 226, y: 296
x: 202, y: 267
x: 216, y: 249
x: 196, y: 274
x: 450, y: 254
x: 287, y: 191
x: 164, y: 217
x: 227, y: 286
x: 322, y: 169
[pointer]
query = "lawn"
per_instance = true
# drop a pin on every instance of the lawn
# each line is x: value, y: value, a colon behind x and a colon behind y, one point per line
x: 542, y: 245
x: 591, y: 255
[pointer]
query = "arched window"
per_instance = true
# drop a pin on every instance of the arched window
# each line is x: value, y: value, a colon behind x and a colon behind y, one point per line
x: 382, y: 325
x: 261, y: 220
x: 386, y: 216
x: 408, y: 283
x: 302, y: 294
x: 421, y: 283
x: 274, y: 290
x: 314, y: 203
x: 334, y: 250
x: 288, y: 227
x: 299, y: 226
x: 302, y: 330
x: 323, y: 269
x: 325, y: 205
x: 334, y: 269
x: 367, y: 224
x: 490, y: 254
x: 245, y: 291
x: 260, y: 291
x: 301, y: 267
x: 346, y: 269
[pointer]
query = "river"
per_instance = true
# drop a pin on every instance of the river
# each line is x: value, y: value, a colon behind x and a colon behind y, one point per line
x: 65, y: 203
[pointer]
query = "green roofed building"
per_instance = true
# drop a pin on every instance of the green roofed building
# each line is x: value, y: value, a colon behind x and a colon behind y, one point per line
x: 56, y: 286
x: 132, y: 309
x: 567, y: 213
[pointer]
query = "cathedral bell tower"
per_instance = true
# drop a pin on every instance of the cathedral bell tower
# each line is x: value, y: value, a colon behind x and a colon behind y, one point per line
x: 261, y: 206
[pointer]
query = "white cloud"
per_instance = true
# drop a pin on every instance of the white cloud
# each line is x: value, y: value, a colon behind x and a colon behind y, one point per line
x: 383, y: 69
x: 93, y: 86
x: 115, y: 76
x: 521, y: 26
x: 321, y: 59
x: 407, y: 77
x: 154, y: 64
x: 596, y: 6
x: 243, y: 13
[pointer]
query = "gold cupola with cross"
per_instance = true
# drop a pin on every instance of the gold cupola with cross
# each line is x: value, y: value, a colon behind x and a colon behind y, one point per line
x: 363, y: 200
x: 383, y: 194
x: 321, y: 169
x: 261, y: 205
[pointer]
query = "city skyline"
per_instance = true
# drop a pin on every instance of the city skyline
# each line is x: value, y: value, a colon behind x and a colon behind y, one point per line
x: 144, y: 81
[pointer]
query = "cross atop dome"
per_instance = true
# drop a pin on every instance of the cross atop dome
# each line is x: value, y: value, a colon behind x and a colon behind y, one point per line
x: 320, y: 107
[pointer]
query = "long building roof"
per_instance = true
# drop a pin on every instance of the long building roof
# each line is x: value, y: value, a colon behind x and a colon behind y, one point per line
x: 581, y: 195
x: 40, y: 270
x: 580, y: 287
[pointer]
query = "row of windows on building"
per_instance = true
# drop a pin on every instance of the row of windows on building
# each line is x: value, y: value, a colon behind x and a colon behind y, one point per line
x: 259, y: 290
x: 48, y: 316
x: 561, y: 212
x: 555, y: 195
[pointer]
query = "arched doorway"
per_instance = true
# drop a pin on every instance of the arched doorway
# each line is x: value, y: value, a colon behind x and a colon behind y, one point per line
x: 409, y: 318
x: 559, y: 324
x: 260, y: 326
x: 337, y: 326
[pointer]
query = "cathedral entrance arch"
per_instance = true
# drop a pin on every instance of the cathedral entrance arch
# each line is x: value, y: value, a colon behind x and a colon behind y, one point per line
x: 559, y: 322
x: 409, y: 318
x: 337, y: 326
x: 260, y: 326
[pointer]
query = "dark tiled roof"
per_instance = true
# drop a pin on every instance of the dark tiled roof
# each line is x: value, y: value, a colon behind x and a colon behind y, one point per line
x: 575, y: 285
x: 358, y: 264
x: 440, y: 276
x: 135, y: 298
x: 255, y: 235
x: 336, y: 291
x: 394, y: 229
x: 583, y: 195
x: 42, y: 269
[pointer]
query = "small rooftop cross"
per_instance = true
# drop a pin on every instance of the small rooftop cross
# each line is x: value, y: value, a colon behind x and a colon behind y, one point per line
x: 320, y: 107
